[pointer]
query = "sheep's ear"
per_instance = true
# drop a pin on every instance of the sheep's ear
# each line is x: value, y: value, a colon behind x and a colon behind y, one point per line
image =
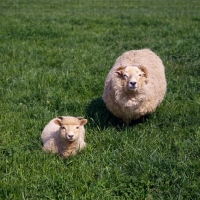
x: 83, y: 122
x: 58, y: 121
x: 145, y: 71
x: 119, y: 71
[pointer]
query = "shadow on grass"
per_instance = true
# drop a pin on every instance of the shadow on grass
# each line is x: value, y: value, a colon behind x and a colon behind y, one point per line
x: 98, y: 115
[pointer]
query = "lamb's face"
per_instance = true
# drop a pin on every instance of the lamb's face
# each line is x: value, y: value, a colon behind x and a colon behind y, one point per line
x: 69, y: 132
x: 70, y: 127
x: 132, y: 77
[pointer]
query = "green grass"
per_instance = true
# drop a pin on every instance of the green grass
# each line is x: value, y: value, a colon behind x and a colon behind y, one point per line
x: 54, y: 58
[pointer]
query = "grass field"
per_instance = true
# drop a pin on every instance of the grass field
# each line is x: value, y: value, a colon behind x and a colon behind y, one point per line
x: 54, y: 58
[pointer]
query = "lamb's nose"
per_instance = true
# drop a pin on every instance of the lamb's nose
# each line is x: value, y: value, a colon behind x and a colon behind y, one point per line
x: 133, y: 83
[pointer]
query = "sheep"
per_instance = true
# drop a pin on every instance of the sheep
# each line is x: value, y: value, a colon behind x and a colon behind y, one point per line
x: 64, y: 135
x: 135, y: 85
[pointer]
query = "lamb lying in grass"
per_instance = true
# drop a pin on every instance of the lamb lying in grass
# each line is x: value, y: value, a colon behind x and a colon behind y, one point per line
x: 136, y: 85
x: 64, y: 135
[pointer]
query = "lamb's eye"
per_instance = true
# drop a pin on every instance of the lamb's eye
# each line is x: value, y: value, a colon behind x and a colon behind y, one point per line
x: 140, y: 75
x: 77, y: 127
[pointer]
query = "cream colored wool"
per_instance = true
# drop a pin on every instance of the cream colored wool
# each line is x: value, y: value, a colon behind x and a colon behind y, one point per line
x: 136, y: 85
x: 64, y: 135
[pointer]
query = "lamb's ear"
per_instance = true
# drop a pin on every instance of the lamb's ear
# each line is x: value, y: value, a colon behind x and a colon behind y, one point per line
x: 79, y: 117
x: 120, y: 70
x: 83, y: 122
x: 145, y: 71
x: 58, y: 121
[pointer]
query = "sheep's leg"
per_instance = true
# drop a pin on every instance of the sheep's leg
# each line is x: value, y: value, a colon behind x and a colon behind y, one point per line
x: 143, y: 119
x: 127, y: 122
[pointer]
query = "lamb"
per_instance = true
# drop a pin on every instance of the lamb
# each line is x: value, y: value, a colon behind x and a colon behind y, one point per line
x: 135, y: 85
x: 64, y: 135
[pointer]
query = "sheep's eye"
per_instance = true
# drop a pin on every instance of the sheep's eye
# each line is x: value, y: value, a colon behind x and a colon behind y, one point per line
x: 140, y: 74
x: 63, y: 127
x: 125, y: 76
x: 77, y: 127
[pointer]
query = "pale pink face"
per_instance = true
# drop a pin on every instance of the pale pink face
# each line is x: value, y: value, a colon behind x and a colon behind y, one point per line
x: 70, y: 127
x: 69, y: 132
x: 132, y: 77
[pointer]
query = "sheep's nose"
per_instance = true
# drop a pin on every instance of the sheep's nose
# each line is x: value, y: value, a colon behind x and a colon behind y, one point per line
x: 70, y: 136
x: 133, y: 83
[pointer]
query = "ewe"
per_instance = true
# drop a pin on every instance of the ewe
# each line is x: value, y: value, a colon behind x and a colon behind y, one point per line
x: 136, y: 85
x: 64, y: 135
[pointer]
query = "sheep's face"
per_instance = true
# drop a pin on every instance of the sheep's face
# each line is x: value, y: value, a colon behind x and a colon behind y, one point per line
x: 132, y: 78
x: 70, y: 127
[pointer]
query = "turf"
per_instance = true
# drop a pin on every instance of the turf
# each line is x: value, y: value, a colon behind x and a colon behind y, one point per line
x: 54, y: 58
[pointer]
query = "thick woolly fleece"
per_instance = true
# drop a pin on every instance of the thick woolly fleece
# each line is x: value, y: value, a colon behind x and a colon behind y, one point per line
x: 149, y: 95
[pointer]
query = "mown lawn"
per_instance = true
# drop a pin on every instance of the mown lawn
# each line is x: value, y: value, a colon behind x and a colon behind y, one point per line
x: 54, y: 58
